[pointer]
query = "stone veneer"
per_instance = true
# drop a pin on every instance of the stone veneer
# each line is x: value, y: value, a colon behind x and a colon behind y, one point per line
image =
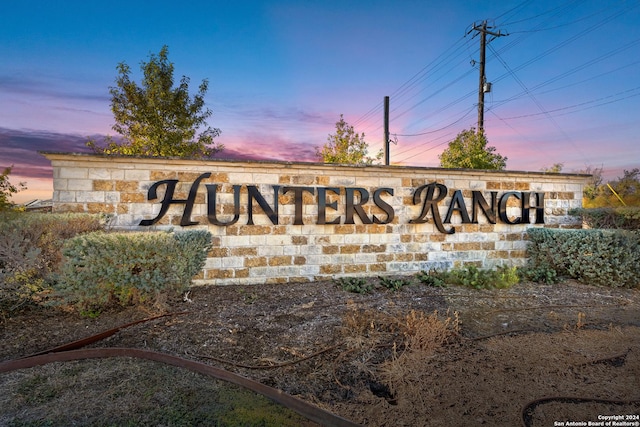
x: 268, y: 253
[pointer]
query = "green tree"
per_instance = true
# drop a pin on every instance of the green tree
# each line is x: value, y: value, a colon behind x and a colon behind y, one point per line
x: 598, y: 194
x: 7, y: 190
x: 156, y: 119
x: 469, y: 150
x: 594, y: 187
x: 346, y: 146
x: 628, y: 187
x: 555, y: 168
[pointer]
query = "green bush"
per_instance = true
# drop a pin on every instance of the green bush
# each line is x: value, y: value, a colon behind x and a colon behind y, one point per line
x: 473, y: 277
x: 432, y: 278
x: 598, y: 257
x: 101, y: 269
x: 31, y: 250
x: 357, y: 285
x: 627, y: 217
x: 394, y: 283
x: 540, y: 274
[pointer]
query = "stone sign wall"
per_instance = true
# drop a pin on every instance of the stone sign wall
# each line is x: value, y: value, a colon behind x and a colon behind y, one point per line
x: 279, y: 222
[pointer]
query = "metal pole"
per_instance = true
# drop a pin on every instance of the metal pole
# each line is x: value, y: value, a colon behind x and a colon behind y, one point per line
x: 483, y: 78
x: 387, y: 155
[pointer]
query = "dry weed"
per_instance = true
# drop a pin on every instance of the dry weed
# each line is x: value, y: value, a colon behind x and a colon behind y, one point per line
x: 423, y: 336
x: 392, y: 349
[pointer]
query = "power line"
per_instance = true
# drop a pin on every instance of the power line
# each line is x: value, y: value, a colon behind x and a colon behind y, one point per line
x: 568, y: 107
x: 446, y: 62
x: 442, y: 128
x: 413, y: 81
x: 557, y: 9
x: 577, y: 69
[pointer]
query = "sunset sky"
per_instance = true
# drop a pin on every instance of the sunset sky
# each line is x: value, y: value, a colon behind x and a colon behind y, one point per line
x: 565, y: 76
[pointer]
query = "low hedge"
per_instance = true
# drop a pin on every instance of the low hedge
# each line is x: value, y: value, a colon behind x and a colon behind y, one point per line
x: 31, y: 250
x: 623, y: 217
x: 101, y: 269
x: 598, y: 257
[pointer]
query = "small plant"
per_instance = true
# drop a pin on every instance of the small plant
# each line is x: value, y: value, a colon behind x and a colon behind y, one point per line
x: 539, y: 274
x: 394, y: 283
x: 358, y: 285
x: 248, y: 297
x: 502, y: 277
x: 505, y: 277
x: 432, y: 278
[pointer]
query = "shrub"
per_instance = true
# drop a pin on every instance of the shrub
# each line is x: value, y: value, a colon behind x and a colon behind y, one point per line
x: 541, y: 274
x: 129, y: 268
x: 432, y: 278
x: 598, y: 257
x: 501, y: 277
x: 358, y: 285
x: 31, y: 250
x: 627, y: 217
x: 392, y: 283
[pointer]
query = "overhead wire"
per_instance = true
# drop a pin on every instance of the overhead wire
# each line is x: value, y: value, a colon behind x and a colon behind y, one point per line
x: 530, y: 94
x: 418, y: 146
x: 577, y: 69
x: 565, y: 42
x: 405, y: 94
x: 555, y: 9
x: 412, y: 82
x: 568, y: 107
x: 512, y: 10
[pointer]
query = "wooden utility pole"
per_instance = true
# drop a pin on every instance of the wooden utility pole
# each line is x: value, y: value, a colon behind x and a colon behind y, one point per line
x: 483, y: 85
x: 387, y: 154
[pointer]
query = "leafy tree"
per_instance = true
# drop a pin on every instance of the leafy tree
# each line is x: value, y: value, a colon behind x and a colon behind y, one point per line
x: 594, y: 186
x: 469, y: 150
x: 7, y: 190
x: 628, y: 186
x: 555, y: 168
x: 156, y: 119
x: 346, y: 146
x: 598, y: 194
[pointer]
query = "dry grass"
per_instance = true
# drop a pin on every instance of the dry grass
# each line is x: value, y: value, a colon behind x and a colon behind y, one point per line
x: 390, y: 358
x: 127, y: 392
x: 424, y: 336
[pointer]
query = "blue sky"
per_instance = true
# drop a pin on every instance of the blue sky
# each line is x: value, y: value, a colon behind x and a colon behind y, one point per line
x: 565, y: 75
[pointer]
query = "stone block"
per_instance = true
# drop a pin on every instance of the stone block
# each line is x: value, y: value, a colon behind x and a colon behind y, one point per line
x: 84, y: 185
x: 74, y: 173
x: 90, y: 196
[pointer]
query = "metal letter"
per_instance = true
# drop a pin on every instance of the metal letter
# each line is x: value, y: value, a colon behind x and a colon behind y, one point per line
x: 388, y: 209
x: 168, y: 200
x: 502, y: 210
x: 211, y: 205
x: 431, y: 203
x: 254, y: 194
x: 297, y: 192
x: 457, y: 199
x: 322, y: 205
x: 539, y: 207
x: 489, y: 211
x: 352, y: 207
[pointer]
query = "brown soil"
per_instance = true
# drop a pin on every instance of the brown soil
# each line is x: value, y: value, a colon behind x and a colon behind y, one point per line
x: 386, y: 358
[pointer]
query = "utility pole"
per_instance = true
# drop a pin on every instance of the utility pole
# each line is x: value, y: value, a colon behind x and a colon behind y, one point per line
x: 387, y: 154
x: 483, y: 85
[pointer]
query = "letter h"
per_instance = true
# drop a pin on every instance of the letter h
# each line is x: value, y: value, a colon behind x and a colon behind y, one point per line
x: 169, y: 200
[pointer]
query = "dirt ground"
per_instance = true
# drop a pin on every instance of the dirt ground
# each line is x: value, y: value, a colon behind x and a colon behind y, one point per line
x: 536, y: 355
